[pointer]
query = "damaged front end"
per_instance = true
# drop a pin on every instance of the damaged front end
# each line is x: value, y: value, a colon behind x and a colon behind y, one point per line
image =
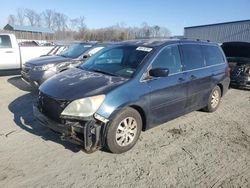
x: 87, y: 132
x: 240, y: 73
x: 238, y: 57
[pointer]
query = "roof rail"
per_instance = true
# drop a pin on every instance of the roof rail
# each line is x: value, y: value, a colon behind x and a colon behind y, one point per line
x: 199, y: 40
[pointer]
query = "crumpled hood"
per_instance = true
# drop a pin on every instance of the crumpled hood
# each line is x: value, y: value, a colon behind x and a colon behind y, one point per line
x: 76, y: 83
x: 47, y: 60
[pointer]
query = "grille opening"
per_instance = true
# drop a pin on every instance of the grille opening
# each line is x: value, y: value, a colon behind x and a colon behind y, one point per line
x: 51, y: 107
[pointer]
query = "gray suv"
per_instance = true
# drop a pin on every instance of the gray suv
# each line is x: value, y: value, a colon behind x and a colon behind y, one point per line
x: 37, y: 70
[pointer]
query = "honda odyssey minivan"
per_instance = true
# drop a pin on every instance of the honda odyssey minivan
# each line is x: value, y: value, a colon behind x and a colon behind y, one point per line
x: 132, y: 86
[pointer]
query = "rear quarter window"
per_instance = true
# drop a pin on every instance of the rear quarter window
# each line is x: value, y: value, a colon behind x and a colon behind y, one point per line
x: 213, y: 55
x: 192, y: 56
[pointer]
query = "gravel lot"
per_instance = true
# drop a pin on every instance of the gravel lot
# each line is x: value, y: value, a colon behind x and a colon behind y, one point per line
x: 197, y: 150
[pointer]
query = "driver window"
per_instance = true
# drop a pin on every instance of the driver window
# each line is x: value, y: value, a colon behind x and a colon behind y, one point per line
x: 169, y: 58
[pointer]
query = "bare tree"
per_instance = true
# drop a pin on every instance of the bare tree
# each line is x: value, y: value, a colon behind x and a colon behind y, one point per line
x: 20, y: 16
x: 60, y: 21
x: 145, y: 30
x: 75, y: 28
x: 156, y: 30
x: 164, y: 32
x: 81, y: 23
x: 48, y: 16
x: 33, y: 17
x: 12, y: 19
x: 78, y: 24
x: 38, y: 19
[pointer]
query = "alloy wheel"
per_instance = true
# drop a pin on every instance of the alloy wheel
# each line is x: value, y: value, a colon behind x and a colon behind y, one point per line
x: 215, y: 99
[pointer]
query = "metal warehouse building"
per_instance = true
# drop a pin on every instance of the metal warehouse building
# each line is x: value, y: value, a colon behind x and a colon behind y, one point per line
x: 220, y: 32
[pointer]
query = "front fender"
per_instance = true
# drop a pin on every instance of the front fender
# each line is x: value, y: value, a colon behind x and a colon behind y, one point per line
x: 123, y: 97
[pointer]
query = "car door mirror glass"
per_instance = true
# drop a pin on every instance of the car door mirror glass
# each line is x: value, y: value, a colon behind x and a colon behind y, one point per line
x: 159, y: 72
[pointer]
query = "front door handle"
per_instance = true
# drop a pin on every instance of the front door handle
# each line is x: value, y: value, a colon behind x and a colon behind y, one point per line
x: 9, y: 52
x: 192, y: 77
x: 181, y: 80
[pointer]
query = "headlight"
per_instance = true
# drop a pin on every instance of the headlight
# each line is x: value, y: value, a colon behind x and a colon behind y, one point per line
x: 69, y: 64
x: 43, y: 67
x: 83, y: 107
x: 63, y: 65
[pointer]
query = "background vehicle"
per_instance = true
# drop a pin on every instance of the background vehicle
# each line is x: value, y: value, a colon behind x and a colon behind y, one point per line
x: 28, y: 43
x: 238, y: 56
x: 37, y: 70
x: 12, y: 56
x: 132, y: 86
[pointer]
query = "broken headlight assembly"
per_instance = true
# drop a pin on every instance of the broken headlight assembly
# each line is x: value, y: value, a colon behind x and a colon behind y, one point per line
x: 85, y: 107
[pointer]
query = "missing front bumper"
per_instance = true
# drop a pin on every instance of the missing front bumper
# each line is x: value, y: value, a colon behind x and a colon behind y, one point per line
x: 88, y: 134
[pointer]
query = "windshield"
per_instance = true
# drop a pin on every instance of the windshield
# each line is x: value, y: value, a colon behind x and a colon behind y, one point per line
x: 117, y: 61
x: 76, y: 50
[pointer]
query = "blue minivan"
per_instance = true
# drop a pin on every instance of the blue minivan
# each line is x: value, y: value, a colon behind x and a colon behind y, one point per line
x: 132, y: 86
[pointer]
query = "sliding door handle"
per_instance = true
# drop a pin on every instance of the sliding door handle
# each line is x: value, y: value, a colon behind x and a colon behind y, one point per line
x: 192, y: 77
x: 9, y: 52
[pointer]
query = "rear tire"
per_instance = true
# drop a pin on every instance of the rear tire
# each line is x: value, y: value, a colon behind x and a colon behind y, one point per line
x: 124, y: 131
x: 214, y: 100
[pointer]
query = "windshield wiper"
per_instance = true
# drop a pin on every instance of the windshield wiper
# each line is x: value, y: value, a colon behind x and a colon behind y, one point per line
x: 103, y: 72
x: 64, y: 56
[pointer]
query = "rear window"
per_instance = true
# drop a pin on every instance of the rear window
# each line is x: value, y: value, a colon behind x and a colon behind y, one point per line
x: 75, y: 50
x: 5, y: 41
x: 212, y: 55
x: 192, y: 56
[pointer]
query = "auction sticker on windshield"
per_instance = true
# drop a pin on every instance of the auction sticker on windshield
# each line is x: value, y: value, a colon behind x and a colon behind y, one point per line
x: 87, y: 46
x: 145, y: 49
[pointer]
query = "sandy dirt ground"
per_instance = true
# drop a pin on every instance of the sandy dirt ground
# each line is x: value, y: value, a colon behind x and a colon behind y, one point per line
x: 197, y: 150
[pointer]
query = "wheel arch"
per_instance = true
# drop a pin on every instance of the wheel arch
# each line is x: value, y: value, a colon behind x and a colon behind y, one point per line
x: 221, y: 88
x: 142, y: 114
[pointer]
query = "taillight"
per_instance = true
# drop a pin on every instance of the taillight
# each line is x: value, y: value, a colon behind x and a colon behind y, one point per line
x: 228, y: 71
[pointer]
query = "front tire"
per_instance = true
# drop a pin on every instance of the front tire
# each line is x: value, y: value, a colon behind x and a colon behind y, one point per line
x: 214, y: 100
x: 124, y: 131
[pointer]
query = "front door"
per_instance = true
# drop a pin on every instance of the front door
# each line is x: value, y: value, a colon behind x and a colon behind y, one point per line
x: 8, y: 55
x: 168, y: 95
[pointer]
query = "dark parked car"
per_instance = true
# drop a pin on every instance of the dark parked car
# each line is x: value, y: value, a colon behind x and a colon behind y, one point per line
x: 28, y: 43
x: 238, y: 56
x: 132, y: 86
x: 37, y: 70
x: 57, y: 49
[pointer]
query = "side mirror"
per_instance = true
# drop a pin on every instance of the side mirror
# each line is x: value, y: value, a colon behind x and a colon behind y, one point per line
x: 159, y: 72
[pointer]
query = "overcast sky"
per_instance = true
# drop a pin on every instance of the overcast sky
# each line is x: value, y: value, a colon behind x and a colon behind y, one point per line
x: 173, y: 14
